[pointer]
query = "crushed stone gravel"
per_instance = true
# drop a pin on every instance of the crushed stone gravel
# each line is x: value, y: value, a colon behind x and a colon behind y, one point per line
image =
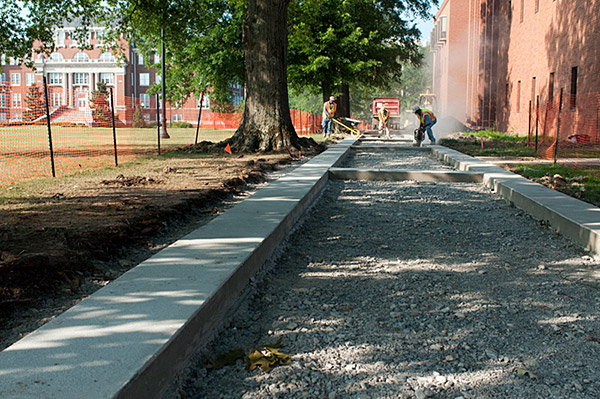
x: 414, y: 290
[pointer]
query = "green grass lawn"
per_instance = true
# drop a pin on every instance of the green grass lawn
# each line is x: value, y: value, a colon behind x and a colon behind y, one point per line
x: 24, y: 150
x: 490, y: 143
x: 578, y: 182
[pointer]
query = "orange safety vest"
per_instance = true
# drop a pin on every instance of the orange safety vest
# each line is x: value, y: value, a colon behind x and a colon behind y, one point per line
x: 383, y: 115
x: 329, y: 109
x: 428, y: 113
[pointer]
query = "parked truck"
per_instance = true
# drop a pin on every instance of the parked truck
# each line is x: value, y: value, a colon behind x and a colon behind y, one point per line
x: 392, y: 105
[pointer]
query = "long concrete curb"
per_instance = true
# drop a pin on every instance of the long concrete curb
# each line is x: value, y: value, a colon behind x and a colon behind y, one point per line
x: 396, y: 175
x: 575, y: 219
x: 130, y: 338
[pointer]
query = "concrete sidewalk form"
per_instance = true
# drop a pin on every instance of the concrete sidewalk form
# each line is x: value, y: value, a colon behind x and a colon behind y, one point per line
x: 397, y: 175
x: 130, y: 338
x: 575, y: 219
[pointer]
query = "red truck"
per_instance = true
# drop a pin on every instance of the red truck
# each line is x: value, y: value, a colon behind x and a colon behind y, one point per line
x: 392, y: 105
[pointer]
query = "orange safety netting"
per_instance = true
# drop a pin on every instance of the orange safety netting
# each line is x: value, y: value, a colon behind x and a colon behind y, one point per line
x: 81, y: 133
x: 569, y: 134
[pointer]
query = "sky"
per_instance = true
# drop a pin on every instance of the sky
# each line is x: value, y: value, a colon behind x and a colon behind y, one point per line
x: 425, y: 27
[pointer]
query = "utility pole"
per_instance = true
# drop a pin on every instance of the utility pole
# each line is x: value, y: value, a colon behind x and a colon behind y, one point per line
x: 163, y: 131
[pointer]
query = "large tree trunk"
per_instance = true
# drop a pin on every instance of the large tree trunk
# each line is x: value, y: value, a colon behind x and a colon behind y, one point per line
x: 266, y: 124
x: 344, y: 101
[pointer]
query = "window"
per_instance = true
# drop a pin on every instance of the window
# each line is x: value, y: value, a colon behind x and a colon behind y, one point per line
x: 3, y: 100
x: 522, y: 10
x: 16, y: 100
x: 156, y: 58
x: 80, y: 78
x: 3, y: 77
x: 144, y: 79
x: 55, y: 99
x: 519, y: 96
x: 573, y: 87
x: 3, y: 116
x: 177, y: 118
x: 443, y: 27
x: 15, y: 79
x: 107, y: 57
x: 3, y: 59
x: 12, y: 61
x: 73, y: 40
x: 29, y: 79
x: 81, y: 57
x: 140, y: 59
x: 157, y: 79
x: 60, y: 39
x: 107, y: 78
x: 145, y: 100
x: 55, y: 78
x: 56, y: 57
x: 551, y: 87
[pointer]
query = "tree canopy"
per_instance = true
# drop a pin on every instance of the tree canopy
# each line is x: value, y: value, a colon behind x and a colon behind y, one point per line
x: 353, y: 42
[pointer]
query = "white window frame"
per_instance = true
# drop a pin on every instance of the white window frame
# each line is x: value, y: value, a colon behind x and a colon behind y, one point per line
x: 144, y: 100
x: 3, y: 100
x: 140, y: 59
x: 144, y: 79
x: 55, y: 78
x: 55, y: 99
x: 81, y: 57
x: 80, y: 78
x: 2, y: 77
x: 107, y: 77
x: 15, y: 79
x: 60, y: 38
x: 29, y: 79
x: 16, y: 100
x: 107, y: 57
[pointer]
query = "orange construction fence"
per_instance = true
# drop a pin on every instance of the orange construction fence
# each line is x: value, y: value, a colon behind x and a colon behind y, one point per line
x: 566, y: 128
x: 43, y: 134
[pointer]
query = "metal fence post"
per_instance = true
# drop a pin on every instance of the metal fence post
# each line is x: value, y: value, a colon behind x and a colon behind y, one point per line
x: 558, y: 126
x: 112, y: 112
x: 537, y: 119
x: 529, y: 124
x: 49, y: 129
x: 158, y: 122
x: 199, y: 117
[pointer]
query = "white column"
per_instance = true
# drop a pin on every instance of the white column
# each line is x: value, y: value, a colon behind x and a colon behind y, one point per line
x: 70, y: 88
x: 65, y: 94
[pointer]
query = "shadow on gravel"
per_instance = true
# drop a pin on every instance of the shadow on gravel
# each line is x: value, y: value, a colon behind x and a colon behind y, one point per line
x: 418, y: 289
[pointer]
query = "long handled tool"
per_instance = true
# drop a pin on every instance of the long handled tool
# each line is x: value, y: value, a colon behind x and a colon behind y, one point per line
x: 353, y: 131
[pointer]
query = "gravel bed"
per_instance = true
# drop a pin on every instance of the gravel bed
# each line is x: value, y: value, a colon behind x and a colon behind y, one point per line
x: 415, y: 290
x: 390, y: 159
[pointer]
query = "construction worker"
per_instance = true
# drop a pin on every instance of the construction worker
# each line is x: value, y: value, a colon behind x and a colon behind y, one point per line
x: 384, y: 115
x: 329, y: 108
x: 426, y: 120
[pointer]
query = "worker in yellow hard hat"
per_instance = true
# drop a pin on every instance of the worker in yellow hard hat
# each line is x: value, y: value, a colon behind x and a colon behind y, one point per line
x: 384, y: 115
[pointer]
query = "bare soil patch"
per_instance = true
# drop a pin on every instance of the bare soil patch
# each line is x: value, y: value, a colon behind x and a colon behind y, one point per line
x: 62, y: 239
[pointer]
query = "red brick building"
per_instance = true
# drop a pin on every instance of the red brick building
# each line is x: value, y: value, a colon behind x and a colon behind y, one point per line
x: 72, y: 74
x: 492, y: 57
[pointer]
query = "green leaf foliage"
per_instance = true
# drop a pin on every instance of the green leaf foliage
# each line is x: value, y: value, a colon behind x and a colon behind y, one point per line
x: 355, y: 42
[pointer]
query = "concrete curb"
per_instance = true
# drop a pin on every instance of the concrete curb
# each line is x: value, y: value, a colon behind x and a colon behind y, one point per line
x: 397, y: 175
x: 130, y: 338
x: 575, y: 219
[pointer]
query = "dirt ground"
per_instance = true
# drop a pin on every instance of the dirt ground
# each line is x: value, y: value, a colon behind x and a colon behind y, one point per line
x: 62, y: 239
